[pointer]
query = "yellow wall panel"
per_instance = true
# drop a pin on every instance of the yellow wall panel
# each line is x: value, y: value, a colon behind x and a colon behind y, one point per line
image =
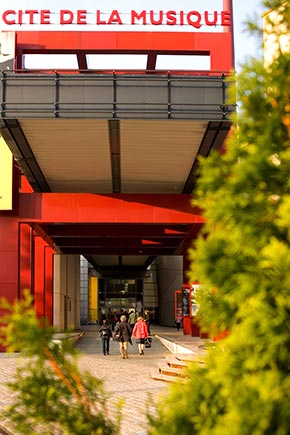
x: 6, y: 165
x: 93, y: 299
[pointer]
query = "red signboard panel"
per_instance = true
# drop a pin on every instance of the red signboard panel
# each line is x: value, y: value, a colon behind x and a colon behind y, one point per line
x: 217, y: 45
x: 204, y: 27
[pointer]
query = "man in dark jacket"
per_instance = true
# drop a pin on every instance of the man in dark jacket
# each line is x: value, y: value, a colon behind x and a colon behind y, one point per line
x: 124, y: 331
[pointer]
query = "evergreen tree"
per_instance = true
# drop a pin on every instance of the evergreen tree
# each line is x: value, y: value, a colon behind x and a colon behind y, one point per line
x: 52, y: 396
x: 242, y: 257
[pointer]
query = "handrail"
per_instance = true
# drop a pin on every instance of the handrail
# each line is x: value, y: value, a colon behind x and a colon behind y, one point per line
x: 179, y: 72
x: 114, y: 95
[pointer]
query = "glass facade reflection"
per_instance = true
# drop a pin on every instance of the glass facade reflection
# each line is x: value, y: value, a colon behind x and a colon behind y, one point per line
x: 120, y: 294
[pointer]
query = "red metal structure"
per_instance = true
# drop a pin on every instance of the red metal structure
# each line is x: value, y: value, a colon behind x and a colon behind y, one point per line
x: 126, y: 220
x: 132, y: 42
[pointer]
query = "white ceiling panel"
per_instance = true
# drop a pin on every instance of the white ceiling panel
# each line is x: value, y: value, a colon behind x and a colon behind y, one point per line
x: 156, y: 156
x: 74, y: 155
x: 150, y: 151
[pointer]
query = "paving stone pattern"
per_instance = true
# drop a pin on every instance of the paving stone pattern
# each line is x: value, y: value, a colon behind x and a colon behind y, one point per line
x: 128, y: 379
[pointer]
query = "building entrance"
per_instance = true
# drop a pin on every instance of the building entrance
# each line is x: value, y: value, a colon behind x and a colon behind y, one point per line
x: 117, y: 295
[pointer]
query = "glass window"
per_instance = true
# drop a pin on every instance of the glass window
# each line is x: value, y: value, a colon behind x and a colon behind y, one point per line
x: 182, y: 62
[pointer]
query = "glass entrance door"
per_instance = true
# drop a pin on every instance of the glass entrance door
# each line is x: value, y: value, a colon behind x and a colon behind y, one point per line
x: 117, y: 295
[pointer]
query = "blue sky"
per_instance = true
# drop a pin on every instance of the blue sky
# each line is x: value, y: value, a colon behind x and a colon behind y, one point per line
x: 245, y: 45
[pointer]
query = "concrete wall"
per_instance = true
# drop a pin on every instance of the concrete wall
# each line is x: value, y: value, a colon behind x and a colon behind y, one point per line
x: 150, y: 292
x: 66, y: 307
x: 170, y: 278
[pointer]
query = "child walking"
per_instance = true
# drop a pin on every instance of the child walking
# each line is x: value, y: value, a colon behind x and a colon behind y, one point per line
x: 106, y: 334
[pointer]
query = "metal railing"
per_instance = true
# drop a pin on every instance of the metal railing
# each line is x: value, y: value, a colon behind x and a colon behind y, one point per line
x: 114, y: 95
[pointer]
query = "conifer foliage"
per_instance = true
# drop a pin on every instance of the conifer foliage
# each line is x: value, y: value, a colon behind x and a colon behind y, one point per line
x: 243, y: 259
x: 52, y: 395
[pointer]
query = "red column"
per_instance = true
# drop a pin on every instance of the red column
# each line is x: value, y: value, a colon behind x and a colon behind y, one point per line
x: 9, y: 257
x: 48, y: 284
x: 42, y: 279
x: 228, y: 6
x: 25, y: 257
x: 39, y: 275
x: 8, y: 260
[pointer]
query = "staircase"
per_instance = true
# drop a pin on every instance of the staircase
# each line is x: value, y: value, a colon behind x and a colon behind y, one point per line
x: 183, y: 351
x: 174, y: 367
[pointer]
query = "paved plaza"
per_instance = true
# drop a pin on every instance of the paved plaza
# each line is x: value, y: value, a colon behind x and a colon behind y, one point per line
x: 128, y: 379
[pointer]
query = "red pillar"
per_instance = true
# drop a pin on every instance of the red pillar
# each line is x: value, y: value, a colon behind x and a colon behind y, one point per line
x: 25, y: 257
x: 9, y: 261
x: 9, y: 258
x: 48, y: 285
x: 42, y: 279
x: 39, y: 275
x: 9, y: 245
x: 228, y: 6
x: 25, y: 265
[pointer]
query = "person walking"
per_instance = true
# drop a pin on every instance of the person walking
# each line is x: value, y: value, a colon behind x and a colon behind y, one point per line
x: 178, y: 321
x: 124, y: 331
x: 106, y: 334
x: 132, y: 319
x: 147, y: 319
x: 140, y: 332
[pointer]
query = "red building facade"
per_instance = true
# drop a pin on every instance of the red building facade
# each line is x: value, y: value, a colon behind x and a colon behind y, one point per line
x: 27, y: 248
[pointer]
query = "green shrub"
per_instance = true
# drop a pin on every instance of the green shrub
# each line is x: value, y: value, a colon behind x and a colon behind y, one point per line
x: 52, y: 396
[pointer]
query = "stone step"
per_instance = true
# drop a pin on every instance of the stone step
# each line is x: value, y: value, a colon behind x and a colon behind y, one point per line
x: 166, y: 369
x: 173, y: 368
x: 174, y: 362
x: 188, y: 358
x: 165, y: 378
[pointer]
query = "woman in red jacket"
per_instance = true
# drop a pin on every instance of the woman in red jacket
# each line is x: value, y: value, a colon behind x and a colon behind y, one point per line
x: 140, y: 332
